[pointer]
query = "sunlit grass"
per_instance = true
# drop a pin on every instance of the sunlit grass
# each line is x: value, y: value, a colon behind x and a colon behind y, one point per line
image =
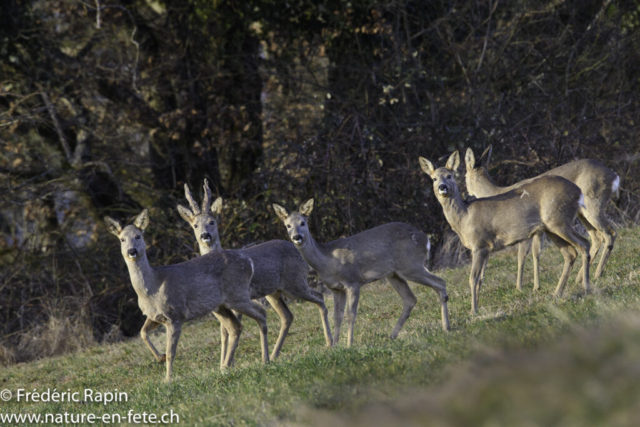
x: 312, y: 383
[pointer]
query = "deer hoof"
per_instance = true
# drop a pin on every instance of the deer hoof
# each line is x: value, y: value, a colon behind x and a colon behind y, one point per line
x: 445, y: 298
x: 162, y: 359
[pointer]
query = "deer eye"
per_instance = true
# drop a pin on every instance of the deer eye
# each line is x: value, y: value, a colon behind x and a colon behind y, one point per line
x: 448, y: 176
x: 138, y: 237
x: 212, y: 222
x: 288, y: 226
x: 302, y: 223
x: 195, y: 225
x: 122, y: 240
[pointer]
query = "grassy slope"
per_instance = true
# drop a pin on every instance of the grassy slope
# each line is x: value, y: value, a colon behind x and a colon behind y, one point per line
x: 311, y: 379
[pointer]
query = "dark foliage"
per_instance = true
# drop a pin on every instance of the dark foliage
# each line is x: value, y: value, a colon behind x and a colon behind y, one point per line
x: 108, y: 110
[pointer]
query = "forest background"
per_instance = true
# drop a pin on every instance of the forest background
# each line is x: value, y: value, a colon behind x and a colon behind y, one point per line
x: 108, y: 107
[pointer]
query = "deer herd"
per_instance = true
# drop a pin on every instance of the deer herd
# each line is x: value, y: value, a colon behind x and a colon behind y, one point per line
x: 224, y: 282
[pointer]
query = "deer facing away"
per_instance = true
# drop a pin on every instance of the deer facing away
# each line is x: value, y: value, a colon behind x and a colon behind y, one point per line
x: 548, y: 204
x: 394, y: 251
x: 597, y: 183
x: 278, y: 266
x: 170, y: 295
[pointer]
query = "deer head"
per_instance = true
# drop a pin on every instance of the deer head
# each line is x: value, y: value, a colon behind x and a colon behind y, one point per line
x: 444, y: 182
x: 132, y: 244
x: 296, y: 222
x: 203, y: 219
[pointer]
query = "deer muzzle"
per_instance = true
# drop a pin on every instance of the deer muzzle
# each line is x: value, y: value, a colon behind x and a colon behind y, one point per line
x: 205, y: 237
x: 132, y: 253
x: 297, y: 239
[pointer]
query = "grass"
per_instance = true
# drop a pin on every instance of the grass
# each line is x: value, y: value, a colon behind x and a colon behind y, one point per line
x: 525, y: 359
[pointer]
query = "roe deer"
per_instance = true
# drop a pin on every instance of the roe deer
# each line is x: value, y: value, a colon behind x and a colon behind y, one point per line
x: 548, y: 204
x: 278, y: 267
x: 172, y: 294
x: 596, y: 181
x: 395, y: 251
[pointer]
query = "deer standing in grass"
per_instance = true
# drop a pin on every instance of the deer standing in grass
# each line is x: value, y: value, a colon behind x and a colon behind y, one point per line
x: 394, y: 251
x: 278, y: 266
x: 597, y: 183
x: 170, y: 295
x: 548, y: 204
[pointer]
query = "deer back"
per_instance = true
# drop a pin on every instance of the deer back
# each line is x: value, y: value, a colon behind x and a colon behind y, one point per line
x: 276, y: 263
x: 196, y: 287
x: 516, y: 215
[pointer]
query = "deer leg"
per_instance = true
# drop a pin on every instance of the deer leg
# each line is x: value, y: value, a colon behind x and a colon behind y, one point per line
x: 596, y: 241
x: 149, y: 326
x: 224, y: 336
x: 353, y: 297
x: 536, y: 245
x: 408, y: 301
x: 580, y: 244
x: 339, y: 301
x: 479, y: 257
x: 609, y: 235
x: 425, y: 278
x: 315, y: 297
x: 258, y: 314
x: 569, y: 254
x: 286, y: 318
x: 233, y: 328
x: 173, y: 335
x: 523, y: 249
x: 609, y: 239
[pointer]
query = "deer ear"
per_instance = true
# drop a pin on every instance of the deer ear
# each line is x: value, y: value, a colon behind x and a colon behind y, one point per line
x: 281, y: 211
x: 470, y: 159
x: 306, y: 207
x: 427, y: 166
x: 142, y: 220
x: 216, y: 207
x: 185, y: 213
x: 454, y: 161
x: 113, y: 226
x: 486, y: 156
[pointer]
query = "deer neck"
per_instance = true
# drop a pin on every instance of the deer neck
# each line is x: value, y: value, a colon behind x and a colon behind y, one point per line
x: 205, y: 249
x: 486, y: 186
x: 455, y: 210
x: 142, y: 276
x: 312, y: 252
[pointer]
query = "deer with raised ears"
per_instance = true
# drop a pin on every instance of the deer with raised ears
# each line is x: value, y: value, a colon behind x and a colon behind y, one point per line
x: 548, y: 204
x: 278, y: 266
x: 394, y: 251
x: 170, y: 295
x: 596, y: 181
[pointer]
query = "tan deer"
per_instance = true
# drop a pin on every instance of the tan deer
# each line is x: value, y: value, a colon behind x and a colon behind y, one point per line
x: 278, y: 266
x: 597, y: 183
x: 170, y: 295
x: 394, y: 251
x: 548, y: 204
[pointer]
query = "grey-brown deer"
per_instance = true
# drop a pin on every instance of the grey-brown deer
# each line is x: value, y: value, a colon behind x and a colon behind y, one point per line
x: 278, y: 266
x: 170, y: 295
x: 596, y: 181
x: 548, y: 204
x: 394, y: 251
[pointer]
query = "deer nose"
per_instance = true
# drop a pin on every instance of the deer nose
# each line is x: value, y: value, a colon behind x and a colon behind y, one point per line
x: 297, y: 238
x: 205, y: 237
x: 132, y: 253
x: 442, y: 187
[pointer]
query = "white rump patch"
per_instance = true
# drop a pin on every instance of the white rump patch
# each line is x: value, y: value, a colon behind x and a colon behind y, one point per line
x: 615, y: 187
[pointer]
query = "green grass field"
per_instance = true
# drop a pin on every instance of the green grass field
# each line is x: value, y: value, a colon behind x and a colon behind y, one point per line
x: 527, y: 359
